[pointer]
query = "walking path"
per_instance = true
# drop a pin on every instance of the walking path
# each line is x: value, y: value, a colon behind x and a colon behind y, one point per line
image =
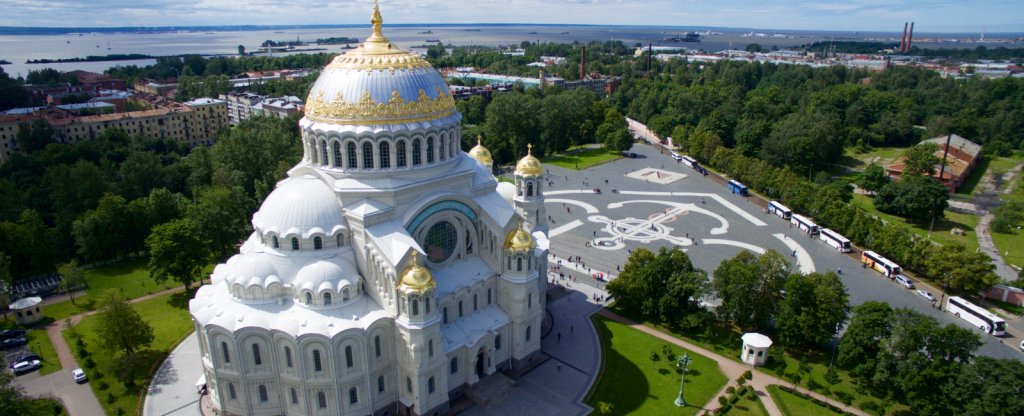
x: 988, y: 199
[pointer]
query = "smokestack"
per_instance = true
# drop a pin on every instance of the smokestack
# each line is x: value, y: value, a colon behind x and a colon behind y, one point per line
x: 903, y: 40
x: 583, y: 61
x: 910, y: 36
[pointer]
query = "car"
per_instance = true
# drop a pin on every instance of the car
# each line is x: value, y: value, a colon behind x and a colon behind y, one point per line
x: 1022, y: 345
x: 13, y: 342
x: 29, y: 356
x: 26, y: 366
x: 925, y: 294
x: 12, y: 333
x: 904, y: 281
x: 79, y: 375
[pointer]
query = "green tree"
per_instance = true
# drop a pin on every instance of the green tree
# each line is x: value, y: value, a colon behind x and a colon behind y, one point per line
x: 241, y: 50
x: 254, y: 155
x: 962, y: 270
x: 139, y: 174
x: 814, y: 307
x: 12, y: 95
x: 120, y: 326
x: 915, y: 197
x: 987, y: 386
x: 751, y: 288
x: 35, y: 136
x: 861, y: 343
x: 512, y: 122
x: 177, y: 251
x: 662, y: 287
x: 72, y: 279
x: 12, y: 396
x: 615, y: 138
x: 802, y: 141
x: 921, y: 159
x: 106, y: 231
x: 222, y: 216
x: 873, y: 179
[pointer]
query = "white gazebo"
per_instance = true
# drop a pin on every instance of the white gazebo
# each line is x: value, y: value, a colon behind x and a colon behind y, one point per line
x: 755, y: 349
x: 27, y: 311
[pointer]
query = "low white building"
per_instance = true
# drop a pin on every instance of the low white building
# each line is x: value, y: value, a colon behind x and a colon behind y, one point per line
x: 27, y: 311
x: 755, y: 349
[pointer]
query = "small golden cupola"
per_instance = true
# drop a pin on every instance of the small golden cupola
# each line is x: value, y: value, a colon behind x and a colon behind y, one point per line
x: 529, y: 165
x: 416, y: 277
x: 481, y: 154
x: 519, y: 239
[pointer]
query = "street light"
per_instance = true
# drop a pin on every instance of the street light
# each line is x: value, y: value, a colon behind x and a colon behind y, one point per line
x: 683, y: 363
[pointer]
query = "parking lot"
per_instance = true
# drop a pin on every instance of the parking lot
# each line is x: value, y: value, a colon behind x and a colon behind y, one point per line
x: 659, y: 202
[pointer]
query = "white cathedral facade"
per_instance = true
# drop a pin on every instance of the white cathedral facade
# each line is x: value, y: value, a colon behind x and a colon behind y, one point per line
x: 390, y: 270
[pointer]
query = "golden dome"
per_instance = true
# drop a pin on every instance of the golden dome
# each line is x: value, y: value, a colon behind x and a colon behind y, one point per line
x: 481, y: 154
x: 416, y: 277
x: 529, y: 165
x: 378, y: 83
x: 519, y: 239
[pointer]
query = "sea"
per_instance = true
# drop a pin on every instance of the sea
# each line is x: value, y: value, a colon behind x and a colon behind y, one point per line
x: 17, y: 49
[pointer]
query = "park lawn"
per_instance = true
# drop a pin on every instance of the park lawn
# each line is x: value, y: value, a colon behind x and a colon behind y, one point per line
x: 940, y: 232
x: 581, y: 159
x: 971, y: 183
x: 748, y: 407
x: 1011, y: 247
x: 40, y: 344
x: 882, y: 156
x: 171, y: 322
x: 635, y: 384
x: 793, y: 405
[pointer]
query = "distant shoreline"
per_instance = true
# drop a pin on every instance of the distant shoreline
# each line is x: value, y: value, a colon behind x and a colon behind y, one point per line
x: 91, y: 58
x: 4, y: 62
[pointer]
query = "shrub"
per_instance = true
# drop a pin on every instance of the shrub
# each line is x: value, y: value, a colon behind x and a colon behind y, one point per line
x: 804, y: 367
x: 796, y: 377
x: 844, y: 397
x: 89, y: 363
x: 813, y: 384
x: 749, y: 375
x: 654, y: 356
x: 605, y: 408
x: 832, y: 376
x: 752, y: 396
x: 111, y: 398
x: 103, y: 385
x: 730, y: 390
x: 741, y: 381
x: 723, y: 401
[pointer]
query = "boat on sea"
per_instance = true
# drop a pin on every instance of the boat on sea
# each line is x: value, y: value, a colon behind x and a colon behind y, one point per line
x: 433, y: 40
x: 686, y: 37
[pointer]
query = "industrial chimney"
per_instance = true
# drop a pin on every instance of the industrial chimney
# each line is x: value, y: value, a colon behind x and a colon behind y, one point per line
x: 903, y: 40
x: 583, y: 61
x: 910, y: 37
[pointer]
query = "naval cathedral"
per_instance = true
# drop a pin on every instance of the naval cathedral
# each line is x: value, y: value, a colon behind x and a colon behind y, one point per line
x: 390, y: 270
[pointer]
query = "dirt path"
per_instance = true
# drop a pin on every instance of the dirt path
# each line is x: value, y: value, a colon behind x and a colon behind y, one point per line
x: 988, y: 199
x: 733, y: 370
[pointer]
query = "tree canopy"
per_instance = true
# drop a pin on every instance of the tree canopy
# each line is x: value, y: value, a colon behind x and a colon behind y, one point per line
x: 120, y: 326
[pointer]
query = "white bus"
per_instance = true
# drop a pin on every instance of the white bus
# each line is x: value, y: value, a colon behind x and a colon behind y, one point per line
x: 676, y: 156
x: 804, y: 223
x: 835, y: 240
x: 776, y: 208
x: 977, y: 316
x: 689, y: 161
x: 883, y: 265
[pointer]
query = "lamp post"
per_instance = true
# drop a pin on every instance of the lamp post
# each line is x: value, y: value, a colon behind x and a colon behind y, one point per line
x: 683, y: 363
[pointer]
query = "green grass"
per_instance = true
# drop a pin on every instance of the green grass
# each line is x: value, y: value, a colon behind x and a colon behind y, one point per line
x: 971, y: 183
x: 168, y: 314
x: 46, y: 407
x: 793, y: 405
x: 634, y: 384
x: 747, y: 407
x: 40, y: 344
x: 581, y: 159
x: 882, y: 156
x: 1011, y: 247
x: 940, y: 232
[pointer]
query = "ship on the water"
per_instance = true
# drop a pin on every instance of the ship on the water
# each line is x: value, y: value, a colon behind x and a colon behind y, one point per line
x: 686, y: 37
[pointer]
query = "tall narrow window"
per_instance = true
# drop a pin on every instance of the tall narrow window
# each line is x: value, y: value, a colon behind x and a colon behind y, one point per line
x: 350, y: 150
x: 367, y: 156
x: 380, y: 384
x: 231, y: 391
x: 444, y: 148
x: 349, y: 362
x: 327, y: 299
x: 488, y: 296
x: 460, y: 309
x: 353, y: 396
x: 401, y: 154
x: 321, y: 400
x: 224, y: 352
x: 474, y: 302
x: 257, y: 358
x: 416, y: 150
x: 376, y: 346
x: 430, y: 385
x: 384, y: 155
x: 529, y: 189
x: 430, y: 348
x: 317, y: 364
x: 337, y: 155
x: 444, y: 316
x: 295, y: 396
x: 263, y: 393
x: 529, y: 331
x: 340, y: 240
x: 519, y: 264
x: 415, y: 307
x: 344, y: 295
x: 408, y: 384
x: 323, y: 154
x: 276, y: 243
x: 295, y: 243
x: 309, y: 298
x: 426, y: 305
x: 497, y: 342
x: 318, y: 243
x: 430, y: 150
x: 288, y: 357
x: 453, y: 366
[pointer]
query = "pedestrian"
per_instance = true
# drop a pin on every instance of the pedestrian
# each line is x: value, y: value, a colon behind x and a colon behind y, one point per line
x: 571, y: 328
x: 559, y: 337
x: 595, y: 233
x: 559, y: 367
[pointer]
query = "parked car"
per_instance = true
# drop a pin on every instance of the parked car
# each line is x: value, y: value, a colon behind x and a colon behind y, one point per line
x: 79, y: 375
x: 925, y: 294
x: 12, y: 333
x: 26, y: 366
x: 904, y: 281
x: 28, y: 356
x: 13, y: 342
x: 600, y: 277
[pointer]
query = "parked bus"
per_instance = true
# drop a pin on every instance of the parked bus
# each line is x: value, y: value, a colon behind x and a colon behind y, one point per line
x: 977, y: 316
x: 689, y: 161
x: 835, y: 240
x: 676, y: 156
x: 804, y: 223
x: 884, y: 266
x: 737, y: 188
x: 776, y: 208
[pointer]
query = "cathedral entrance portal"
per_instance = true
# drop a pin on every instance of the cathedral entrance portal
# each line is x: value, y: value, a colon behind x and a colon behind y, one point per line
x: 480, y: 365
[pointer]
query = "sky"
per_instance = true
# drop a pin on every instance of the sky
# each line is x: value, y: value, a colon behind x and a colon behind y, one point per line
x: 931, y: 16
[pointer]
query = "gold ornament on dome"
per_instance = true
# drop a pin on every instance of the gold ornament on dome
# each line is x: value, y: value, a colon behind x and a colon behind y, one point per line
x: 480, y: 153
x: 519, y: 239
x: 368, y: 111
x: 416, y: 277
x: 377, y: 52
x: 529, y: 165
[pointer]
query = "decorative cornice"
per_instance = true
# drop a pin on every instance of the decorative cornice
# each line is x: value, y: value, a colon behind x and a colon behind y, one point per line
x: 367, y: 111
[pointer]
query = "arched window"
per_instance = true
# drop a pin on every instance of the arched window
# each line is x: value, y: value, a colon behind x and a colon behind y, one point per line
x: 257, y: 358
x: 430, y: 150
x: 295, y: 396
x: 327, y: 299
x: 295, y: 243
x: 340, y: 240
x: 317, y: 364
x: 224, y: 352
x: 380, y: 384
x: 401, y: 154
x: 353, y: 396
x: 519, y: 188
x: 324, y: 161
x: 231, y: 391
x: 529, y: 331
x: 384, y: 155
x: 497, y: 342
x: 488, y: 296
x: 416, y: 152
x: 318, y: 243
x: 426, y: 304
x: 453, y: 366
x: 349, y: 362
x: 509, y: 263
x: 415, y: 307
x: 309, y: 298
x: 376, y: 346
x: 519, y: 264
x: 288, y: 357
x: 529, y: 189
x: 460, y: 309
x: 321, y: 400
x: 408, y: 384
x: 275, y: 242
x: 337, y: 155
x: 444, y: 316
x: 344, y: 295
x: 444, y: 147
x: 430, y: 348
x: 263, y: 393
x: 350, y: 150
x: 430, y: 385
x: 474, y: 302
x: 367, y: 155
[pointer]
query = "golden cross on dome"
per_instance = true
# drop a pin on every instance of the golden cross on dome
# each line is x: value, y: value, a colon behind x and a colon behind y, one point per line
x: 529, y: 148
x: 479, y: 138
x: 414, y: 252
x: 376, y: 20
